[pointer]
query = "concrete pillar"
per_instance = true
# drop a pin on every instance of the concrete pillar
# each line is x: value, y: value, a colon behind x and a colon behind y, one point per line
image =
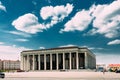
x: 77, y: 64
x: 63, y: 61
x: 44, y: 61
x: 86, y: 60
x: 33, y: 62
x: 28, y: 63
x: 57, y: 60
x: 38, y: 61
x: 22, y: 63
x: 70, y: 60
x: 50, y: 61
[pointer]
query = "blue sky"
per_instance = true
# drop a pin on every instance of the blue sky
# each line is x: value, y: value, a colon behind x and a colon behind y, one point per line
x: 38, y: 24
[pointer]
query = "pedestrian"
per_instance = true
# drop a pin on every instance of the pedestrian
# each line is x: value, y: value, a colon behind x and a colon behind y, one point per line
x: 103, y: 71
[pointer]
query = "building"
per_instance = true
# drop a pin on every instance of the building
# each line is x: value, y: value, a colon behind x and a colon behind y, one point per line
x: 1, y: 64
x: 11, y: 65
x: 113, y: 67
x: 70, y: 58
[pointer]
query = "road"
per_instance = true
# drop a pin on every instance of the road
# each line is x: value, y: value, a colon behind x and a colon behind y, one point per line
x: 62, y: 76
x: 58, y: 79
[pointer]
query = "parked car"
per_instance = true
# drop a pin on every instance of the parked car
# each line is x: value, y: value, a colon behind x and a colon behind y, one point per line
x: 117, y: 71
x: 20, y: 71
x: 2, y: 75
x: 100, y: 69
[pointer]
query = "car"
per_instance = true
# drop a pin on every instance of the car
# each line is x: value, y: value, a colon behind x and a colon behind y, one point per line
x: 2, y: 75
x: 20, y: 71
x: 62, y: 70
x: 117, y: 71
x: 100, y: 69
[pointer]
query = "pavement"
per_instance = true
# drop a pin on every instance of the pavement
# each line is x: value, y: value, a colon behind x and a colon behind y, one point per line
x: 67, y: 74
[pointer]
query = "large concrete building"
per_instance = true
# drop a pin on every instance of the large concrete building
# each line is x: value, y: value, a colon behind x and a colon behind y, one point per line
x: 11, y: 64
x: 70, y: 58
x: 1, y: 64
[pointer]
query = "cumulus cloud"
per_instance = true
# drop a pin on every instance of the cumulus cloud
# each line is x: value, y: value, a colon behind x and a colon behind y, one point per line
x: 56, y: 14
x: 22, y: 40
x: 107, y: 19
x: 42, y: 47
x: 69, y: 45
x: 10, y: 52
x: 79, y: 22
x: 2, y: 7
x: 114, y: 42
x: 28, y: 23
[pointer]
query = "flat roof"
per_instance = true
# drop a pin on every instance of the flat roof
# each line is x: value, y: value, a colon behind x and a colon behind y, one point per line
x: 57, y: 48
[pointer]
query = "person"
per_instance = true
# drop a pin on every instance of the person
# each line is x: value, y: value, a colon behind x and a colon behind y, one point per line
x: 104, y: 71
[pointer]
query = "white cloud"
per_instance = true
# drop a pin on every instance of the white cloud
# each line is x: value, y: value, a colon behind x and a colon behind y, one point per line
x: 22, y: 40
x: 94, y: 48
x: 114, y: 42
x: 69, y: 45
x: 107, y: 19
x: 1, y: 43
x: 42, y: 47
x: 2, y: 7
x: 19, y: 33
x: 79, y: 22
x: 56, y: 14
x: 91, y: 48
x: 10, y: 52
x: 28, y: 23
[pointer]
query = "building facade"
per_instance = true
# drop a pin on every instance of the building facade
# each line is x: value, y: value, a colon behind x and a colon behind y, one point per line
x: 1, y: 64
x: 113, y: 67
x: 11, y: 65
x: 70, y: 58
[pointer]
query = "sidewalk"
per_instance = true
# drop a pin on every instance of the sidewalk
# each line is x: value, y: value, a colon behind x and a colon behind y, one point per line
x: 107, y: 75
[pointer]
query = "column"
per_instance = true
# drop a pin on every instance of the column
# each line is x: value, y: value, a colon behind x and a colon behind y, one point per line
x: 38, y: 61
x: 22, y: 63
x: 33, y: 62
x: 50, y: 61
x: 77, y: 60
x: 57, y: 60
x: 63, y: 61
x: 70, y: 60
x: 44, y: 61
x: 28, y: 65
x: 86, y: 61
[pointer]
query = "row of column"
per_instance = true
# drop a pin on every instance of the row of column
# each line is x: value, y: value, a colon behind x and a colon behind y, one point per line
x: 25, y: 61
